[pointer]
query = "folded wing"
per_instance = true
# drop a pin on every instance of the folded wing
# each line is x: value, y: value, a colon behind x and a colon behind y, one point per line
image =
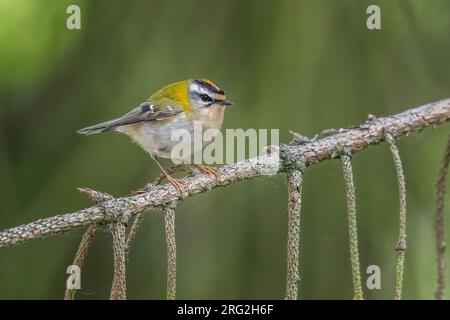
x: 145, y: 112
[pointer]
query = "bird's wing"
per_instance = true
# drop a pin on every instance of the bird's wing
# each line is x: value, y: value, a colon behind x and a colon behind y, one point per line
x: 147, y: 111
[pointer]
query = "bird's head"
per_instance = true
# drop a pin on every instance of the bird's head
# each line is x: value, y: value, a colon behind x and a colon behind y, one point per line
x: 194, y: 94
x: 204, y: 93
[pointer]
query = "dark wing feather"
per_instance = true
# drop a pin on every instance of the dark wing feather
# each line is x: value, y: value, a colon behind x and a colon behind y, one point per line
x: 145, y: 112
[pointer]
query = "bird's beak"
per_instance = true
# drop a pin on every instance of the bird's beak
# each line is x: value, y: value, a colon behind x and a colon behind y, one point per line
x: 226, y: 103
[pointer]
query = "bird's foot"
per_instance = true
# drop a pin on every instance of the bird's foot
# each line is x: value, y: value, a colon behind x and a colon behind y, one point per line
x: 212, y: 171
x: 169, y: 171
x: 161, y: 178
x: 178, y: 185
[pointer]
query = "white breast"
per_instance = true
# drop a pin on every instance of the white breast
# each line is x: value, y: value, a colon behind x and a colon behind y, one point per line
x: 155, y: 137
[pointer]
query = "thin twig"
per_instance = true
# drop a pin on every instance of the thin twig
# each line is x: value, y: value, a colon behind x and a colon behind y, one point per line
x: 441, y: 191
x: 133, y: 231
x: 99, y: 198
x: 354, y: 139
x: 119, y: 286
x: 352, y: 226
x: 80, y: 256
x: 400, y: 247
x: 294, y: 208
x: 171, y: 244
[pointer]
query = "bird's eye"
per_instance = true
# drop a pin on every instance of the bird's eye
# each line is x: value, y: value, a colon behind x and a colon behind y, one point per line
x: 205, y: 98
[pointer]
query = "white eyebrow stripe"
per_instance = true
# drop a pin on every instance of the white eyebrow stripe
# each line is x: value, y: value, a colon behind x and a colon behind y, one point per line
x: 199, y: 89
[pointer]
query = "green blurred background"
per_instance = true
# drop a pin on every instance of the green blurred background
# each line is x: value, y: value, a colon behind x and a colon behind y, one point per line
x: 300, y: 65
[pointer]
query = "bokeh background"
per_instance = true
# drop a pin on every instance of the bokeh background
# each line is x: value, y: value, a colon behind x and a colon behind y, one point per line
x: 300, y: 65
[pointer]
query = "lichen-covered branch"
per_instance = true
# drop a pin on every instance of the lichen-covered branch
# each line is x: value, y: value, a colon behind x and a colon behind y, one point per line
x: 171, y: 244
x: 441, y: 191
x: 353, y: 139
x: 119, y: 287
x: 294, y: 206
x: 80, y: 256
x: 133, y: 231
x: 400, y: 247
x: 352, y: 225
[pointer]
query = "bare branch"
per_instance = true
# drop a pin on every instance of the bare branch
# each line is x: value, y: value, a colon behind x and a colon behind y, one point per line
x: 353, y: 139
x: 294, y: 207
x: 400, y: 247
x: 441, y: 191
x: 352, y: 225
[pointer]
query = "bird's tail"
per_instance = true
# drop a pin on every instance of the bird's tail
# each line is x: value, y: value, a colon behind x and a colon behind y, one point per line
x: 97, y: 128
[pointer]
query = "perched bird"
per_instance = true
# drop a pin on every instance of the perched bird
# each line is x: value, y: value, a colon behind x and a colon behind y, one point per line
x: 176, y: 106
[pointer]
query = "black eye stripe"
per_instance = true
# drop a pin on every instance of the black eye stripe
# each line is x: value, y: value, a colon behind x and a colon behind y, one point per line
x: 206, y: 98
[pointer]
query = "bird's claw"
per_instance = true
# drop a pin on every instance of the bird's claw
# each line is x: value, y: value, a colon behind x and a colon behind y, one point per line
x: 178, y: 185
x: 212, y: 171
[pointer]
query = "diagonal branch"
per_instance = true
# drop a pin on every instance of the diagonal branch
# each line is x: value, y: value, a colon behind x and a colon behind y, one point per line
x: 353, y: 139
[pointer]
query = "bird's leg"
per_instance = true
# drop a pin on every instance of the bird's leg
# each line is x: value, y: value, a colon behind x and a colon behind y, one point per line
x: 161, y: 178
x: 213, y: 171
x: 175, y: 168
x: 175, y: 182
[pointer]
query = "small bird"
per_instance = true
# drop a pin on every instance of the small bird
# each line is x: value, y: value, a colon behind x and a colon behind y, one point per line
x: 176, y: 106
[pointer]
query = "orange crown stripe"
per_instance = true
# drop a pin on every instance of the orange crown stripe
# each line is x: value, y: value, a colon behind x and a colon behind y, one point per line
x: 211, y: 83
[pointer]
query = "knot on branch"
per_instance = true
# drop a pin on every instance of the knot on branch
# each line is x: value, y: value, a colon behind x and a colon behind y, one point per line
x: 400, y: 246
x: 340, y: 151
x: 113, y: 210
x: 388, y: 136
x: 290, y: 162
x: 371, y: 117
x: 171, y: 205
